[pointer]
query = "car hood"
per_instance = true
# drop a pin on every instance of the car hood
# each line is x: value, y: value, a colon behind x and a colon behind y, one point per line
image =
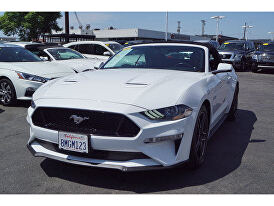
x: 146, y: 88
x: 231, y: 51
x: 78, y: 64
x: 264, y: 52
x: 43, y: 69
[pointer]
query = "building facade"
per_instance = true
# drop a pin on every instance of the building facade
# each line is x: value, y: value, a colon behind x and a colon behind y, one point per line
x: 133, y: 34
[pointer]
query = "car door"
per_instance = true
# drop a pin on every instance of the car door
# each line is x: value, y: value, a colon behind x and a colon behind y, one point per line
x: 249, y: 53
x: 87, y: 50
x: 218, y: 89
x: 99, y: 52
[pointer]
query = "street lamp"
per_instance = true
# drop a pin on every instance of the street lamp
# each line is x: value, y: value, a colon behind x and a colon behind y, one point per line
x: 166, y: 36
x: 245, y: 27
x: 218, y: 24
x: 272, y: 35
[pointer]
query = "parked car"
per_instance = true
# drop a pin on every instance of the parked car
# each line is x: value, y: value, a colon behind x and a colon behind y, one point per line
x: 238, y: 53
x: 22, y: 72
x: 136, y: 42
x: 66, y: 57
x: 61, y: 55
x: 263, y: 57
x: 211, y: 42
x: 147, y: 107
x: 31, y: 46
x: 96, y: 49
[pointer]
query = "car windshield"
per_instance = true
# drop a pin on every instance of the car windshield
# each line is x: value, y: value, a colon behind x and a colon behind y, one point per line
x: 115, y: 47
x: 232, y: 46
x: 65, y: 53
x: 267, y: 47
x: 183, y: 58
x: 17, y: 54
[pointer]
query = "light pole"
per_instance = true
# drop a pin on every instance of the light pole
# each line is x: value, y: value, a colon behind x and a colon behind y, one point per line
x: 203, y: 27
x: 166, y: 24
x: 218, y: 24
x: 245, y: 27
x: 272, y: 35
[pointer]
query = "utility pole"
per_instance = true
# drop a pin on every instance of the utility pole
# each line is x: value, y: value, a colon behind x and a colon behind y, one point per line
x: 67, y: 26
x: 272, y: 35
x: 218, y: 18
x: 166, y: 24
x: 203, y: 27
x: 245, y: 27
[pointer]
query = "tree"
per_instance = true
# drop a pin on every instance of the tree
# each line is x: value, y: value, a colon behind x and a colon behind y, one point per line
x: 29, y: 25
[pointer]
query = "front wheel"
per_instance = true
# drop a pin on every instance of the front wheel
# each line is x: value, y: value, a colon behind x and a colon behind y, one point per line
x: 254, y: 68
x: 243, y: 66
x: 7, y: 92
x: 234, y: 105
x: 199, y: 139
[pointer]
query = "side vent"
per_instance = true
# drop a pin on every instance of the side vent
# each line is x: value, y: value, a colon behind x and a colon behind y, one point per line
x: 177, y: 144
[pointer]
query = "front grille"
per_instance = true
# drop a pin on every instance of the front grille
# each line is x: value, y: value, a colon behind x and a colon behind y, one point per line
x: 266, y: 63
x: 96, y: 154
x: 268, y: 58
x: 226, y: 56
x: 95, y: 122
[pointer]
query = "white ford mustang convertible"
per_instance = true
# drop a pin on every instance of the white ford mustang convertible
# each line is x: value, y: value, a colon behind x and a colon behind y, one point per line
x: 149, y: 106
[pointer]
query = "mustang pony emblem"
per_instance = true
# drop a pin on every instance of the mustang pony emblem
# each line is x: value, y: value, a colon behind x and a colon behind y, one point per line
x: 78, y: 119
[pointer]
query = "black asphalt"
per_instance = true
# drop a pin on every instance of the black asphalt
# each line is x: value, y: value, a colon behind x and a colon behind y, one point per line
x: 240, y: 156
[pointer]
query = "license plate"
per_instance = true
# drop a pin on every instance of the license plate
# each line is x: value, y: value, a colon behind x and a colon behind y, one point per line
x: 73, y: 142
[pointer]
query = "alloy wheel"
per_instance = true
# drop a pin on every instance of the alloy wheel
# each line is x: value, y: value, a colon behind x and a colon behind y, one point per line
x: 202, y: 136
x: 5, y: 93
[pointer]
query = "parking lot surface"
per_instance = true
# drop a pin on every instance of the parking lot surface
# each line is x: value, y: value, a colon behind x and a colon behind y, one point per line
x: 240, y: 156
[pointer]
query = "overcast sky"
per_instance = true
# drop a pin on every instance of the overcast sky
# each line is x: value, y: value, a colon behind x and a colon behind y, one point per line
x: 263, y: 22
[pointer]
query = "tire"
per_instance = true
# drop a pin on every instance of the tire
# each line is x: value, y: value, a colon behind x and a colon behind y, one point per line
x: 7, y: 92
x: 234, y: 106
x: 254, y: 68
x: 199, y: 139
x: 243, y: 66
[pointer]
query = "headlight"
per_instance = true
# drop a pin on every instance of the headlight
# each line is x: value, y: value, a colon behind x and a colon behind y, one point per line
x: 33, y: 105
x: 256, y: 57
x: 31, y: 77
x: 169, y: 113
x: 238, y: 57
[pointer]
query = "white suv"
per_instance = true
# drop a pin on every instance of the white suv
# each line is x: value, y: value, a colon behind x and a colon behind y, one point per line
x: 96, y: 49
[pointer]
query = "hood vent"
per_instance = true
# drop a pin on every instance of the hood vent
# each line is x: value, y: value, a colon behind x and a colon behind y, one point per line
x: 136, y: 84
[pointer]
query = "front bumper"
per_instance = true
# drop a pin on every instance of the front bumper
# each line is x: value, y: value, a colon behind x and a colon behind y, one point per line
x: 25, y: 89
x: 38, y: 150
x: 265, y: 65
x: 159, y: 155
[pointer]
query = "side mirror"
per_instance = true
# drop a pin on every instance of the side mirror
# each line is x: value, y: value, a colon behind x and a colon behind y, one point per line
x: 223, y: 68
x: 107, y: 53
x: 98, y: 65
x: 44, y: 58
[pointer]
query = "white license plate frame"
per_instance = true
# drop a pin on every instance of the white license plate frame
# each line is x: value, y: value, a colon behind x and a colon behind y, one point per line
x: 73, y: 142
